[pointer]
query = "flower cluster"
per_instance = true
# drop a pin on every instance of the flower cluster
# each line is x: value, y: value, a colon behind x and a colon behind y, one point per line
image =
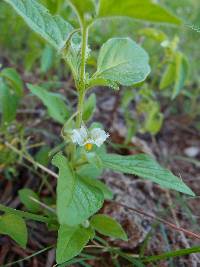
x: 88, y: 138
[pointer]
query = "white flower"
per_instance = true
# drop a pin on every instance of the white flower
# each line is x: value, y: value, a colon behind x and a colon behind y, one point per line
x: 87, y: 138
x: 79, y: 136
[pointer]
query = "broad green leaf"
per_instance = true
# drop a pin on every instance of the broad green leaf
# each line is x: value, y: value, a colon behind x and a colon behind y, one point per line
x: 144, y: 166
x: 15, y: 227
x: 146, y: 10
x: 108, y: 226
x: 122, y: 61
x: 89, y: 107
x: 99, y: 184
x: 94, y: 159
x: 86, y: 201
x: 181, y: 73
x: 65, y: 187
x: 85, y: 9
x: 25, y: 196
x: 55, y: 104
x: 77, y: 200
x: 168, y: 76
x: 71, y: 240
x: 53, y: 29
x: 89, y: 170
x: 15, y: 80
x: 9, y: 103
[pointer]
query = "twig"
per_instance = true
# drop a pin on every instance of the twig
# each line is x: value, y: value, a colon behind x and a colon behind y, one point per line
x: 184, y: 240
x: 171, y: 225
x: 25, y: 214
x: 43, y: 205
x: 31, y: 160
x: 28, y: 257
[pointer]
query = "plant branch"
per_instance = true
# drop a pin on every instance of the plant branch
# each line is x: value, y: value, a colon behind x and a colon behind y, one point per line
x: 82, y: 78
x: 83, y: 55
x: 169, y: 224
x: 25, y: 214
x: 31, y: 160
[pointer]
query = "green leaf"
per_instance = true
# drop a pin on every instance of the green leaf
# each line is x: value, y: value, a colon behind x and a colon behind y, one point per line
x: 154, y: 122
x: 172, y: 254
x: 24, y: 214
x: 53, y: 29
x: 89, y: 170
x: 85, y: 9
x: 153, y: 118
x: 25, y: 196
x: 72, y: 53
x: 71, y: 240
x: 168, y: 76
x: 55, y: 104
x: 86, y: 201
x: 122, y: 61
x: 77, y: 200
x: 65, y: 187
x: 176, y: 73
x: 89, y: 107
x: 144, y: 166
x: 145, y: 10
x: 9, y: 103
x: 99, y: 184
x: 108, y: 226
x: 15, y: 227
x: 42, y: 156
x: 98, y: 81
x: 181, y: 73
x: 16, y: 82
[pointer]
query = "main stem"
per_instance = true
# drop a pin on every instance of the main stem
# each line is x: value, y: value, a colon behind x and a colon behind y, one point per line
x: 81, y: 86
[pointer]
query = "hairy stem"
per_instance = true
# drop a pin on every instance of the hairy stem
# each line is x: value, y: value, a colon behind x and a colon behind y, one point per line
x: 81, y: 87
x: 83, y: 55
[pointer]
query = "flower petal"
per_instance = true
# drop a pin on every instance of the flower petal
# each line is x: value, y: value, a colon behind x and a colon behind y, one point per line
x: 79, y: 136
x: 76, y: 137
x: 83, y: 132
x: 99, y: 136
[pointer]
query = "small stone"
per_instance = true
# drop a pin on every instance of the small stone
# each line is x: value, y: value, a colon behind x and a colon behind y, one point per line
x: 192, y: 151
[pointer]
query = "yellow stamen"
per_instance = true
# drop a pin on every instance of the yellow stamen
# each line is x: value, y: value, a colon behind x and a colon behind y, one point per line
x: 88, y: 146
